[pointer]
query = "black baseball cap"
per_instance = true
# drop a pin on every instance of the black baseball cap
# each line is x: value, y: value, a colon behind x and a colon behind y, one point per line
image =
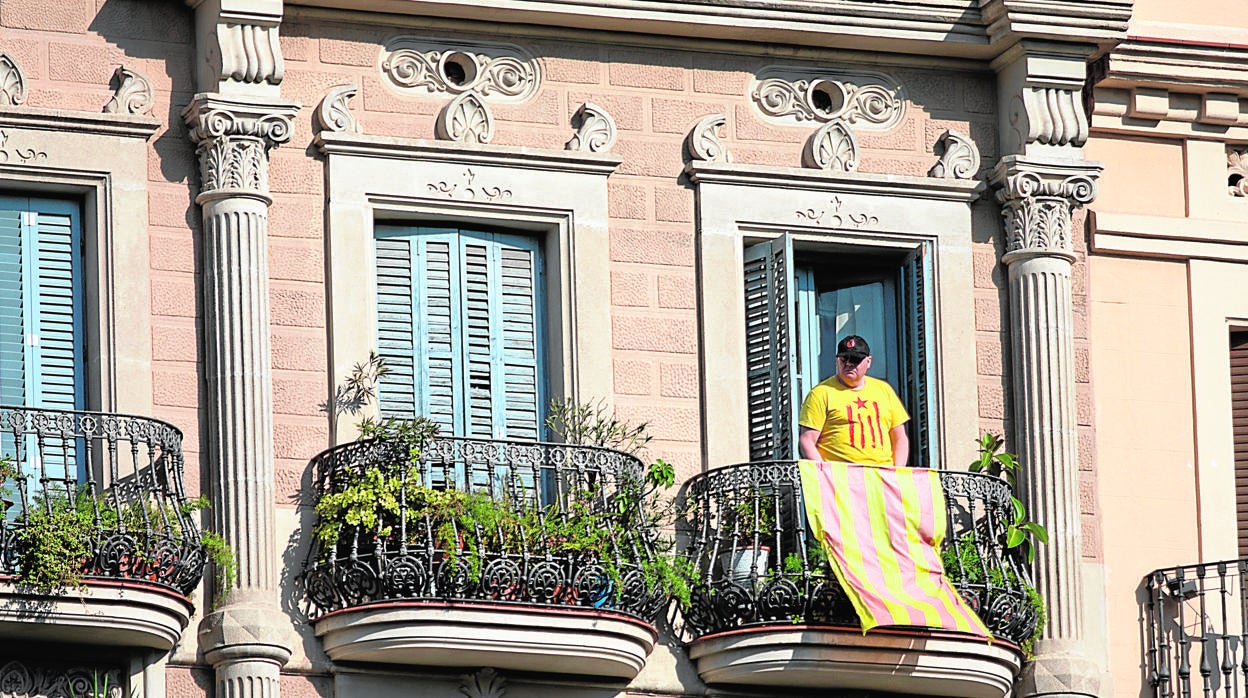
x: 853, y: 349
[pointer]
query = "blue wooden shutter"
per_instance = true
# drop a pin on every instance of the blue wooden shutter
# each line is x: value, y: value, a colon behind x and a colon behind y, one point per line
x: 770, y: 353
x: 12, y: 326
x: 918, y: 361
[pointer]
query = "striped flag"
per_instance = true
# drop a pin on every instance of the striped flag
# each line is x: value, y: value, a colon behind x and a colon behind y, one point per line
x: 882, y: 528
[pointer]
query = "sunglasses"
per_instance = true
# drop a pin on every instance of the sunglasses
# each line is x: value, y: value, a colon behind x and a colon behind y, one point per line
x: 850, y: 361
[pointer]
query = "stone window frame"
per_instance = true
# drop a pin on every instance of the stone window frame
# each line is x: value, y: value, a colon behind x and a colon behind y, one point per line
x: 100, y: 161
x: 740, y: 204
x: 558, y: 195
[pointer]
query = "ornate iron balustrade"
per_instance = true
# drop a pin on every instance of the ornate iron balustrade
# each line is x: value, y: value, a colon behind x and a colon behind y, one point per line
x: 556, y: 525
x: 759, y: 565
x: 1198, y: 629
x: 117, y: 477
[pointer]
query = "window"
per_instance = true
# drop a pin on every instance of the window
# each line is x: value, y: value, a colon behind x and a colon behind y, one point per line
x: 798, y: 304
x: 41, y: 325
x: 459, y: 323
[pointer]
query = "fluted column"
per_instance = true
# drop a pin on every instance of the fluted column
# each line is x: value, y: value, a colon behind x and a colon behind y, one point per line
x: 1037, y: 198
x: 246, y: 638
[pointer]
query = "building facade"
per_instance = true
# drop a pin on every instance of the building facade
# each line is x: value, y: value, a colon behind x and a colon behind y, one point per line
x: 213, y: 214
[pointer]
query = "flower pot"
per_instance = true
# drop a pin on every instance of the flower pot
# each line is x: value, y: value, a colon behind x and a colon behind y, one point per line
x: 738, y: 563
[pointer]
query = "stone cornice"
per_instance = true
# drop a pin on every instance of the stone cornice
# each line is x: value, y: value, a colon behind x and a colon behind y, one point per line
x: 353, y: 144
x: 806, y: 179
x: 1187, y: 66
x: 1102, y: 22
x: 121, y: 125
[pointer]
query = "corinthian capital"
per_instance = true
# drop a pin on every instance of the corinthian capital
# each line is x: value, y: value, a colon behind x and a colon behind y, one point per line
x: 1037, y: 199
x: 233, y: 140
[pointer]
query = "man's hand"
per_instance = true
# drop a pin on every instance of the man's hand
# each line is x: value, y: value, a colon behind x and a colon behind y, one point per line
x: 901, y: 445
x: 808, y: 444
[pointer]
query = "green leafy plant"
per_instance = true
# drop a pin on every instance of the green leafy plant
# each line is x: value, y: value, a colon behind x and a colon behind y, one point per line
x: 964, y: 563
x: 224, y: 563
x: 1021, y: 532
x: 594, y: 424
x: 53, y: 541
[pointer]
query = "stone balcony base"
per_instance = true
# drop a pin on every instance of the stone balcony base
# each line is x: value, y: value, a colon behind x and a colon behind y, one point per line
x: 918, y: 663
x: 525, y: 638
x: 124, y: 614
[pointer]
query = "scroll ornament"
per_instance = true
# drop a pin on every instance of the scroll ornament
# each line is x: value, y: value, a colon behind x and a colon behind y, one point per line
x: 595, y: 130
x: 334, y: 114
x: 133, y: 94
x: 1037, y: 211
x: 960, y: 157
x: 704, y: 141
x: 12, y: 82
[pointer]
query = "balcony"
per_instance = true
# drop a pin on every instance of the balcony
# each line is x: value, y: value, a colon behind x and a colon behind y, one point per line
x: 509, y: 554
x: 97, y: 542
x: 769, y: 610
x: 1197, y: 629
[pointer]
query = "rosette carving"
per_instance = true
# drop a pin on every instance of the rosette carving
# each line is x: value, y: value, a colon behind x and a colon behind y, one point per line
x: 485, y: 683
x: 1037, y: 210
x: 704, y: 141
x: 466, y: 120
x: 866, y: 100
x: 334, y: 113
x: 12, y: 82
x: 500, y: 72
x: 832, y: 148
x: 595, y: 131
x: 1237, y: 172
x: 133, y: 94
x: 959, y: 159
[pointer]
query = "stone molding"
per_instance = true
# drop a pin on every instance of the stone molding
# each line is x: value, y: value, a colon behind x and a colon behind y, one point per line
x: 133, y: 94
x: 466, y: 119
x: 334, y: 114
x: 867, y: 100
x: 232, y: 141
x: 112, y: 614
x: 485, y: 683
x: 959, y: 157
x: 237, y: 46
x: 832, y: 148
x: 1237, y: 171
x: 1181, y: 238
x: 704, y: 142
x: 1102, y: 22
x: 595, y: 129
x: 495, y: 72
x: 28, y: 680
x: 1037, y: 200
x: 12, y: 82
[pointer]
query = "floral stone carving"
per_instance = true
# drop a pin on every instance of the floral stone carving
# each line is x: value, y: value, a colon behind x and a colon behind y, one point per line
x: 1237, y: 172
x: 133, y: 94
x: 334, y: 113
x: 595, y: 129
x: 497, y: 72
x: 1037, y: 210
x: 466, y: 120
x: 704, y: 142
x: 19, y: 680
x: 832, y: 148
x: 866, y: 100
x: 959, y: 159
x: 485, y: 683
x: 12, y: 82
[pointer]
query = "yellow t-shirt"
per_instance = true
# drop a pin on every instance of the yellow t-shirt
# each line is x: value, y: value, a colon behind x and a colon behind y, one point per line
x: 854, y: 424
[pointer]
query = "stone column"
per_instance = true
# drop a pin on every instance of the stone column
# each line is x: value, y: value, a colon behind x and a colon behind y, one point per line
x: 247, y: 638
x: 1037, y: 199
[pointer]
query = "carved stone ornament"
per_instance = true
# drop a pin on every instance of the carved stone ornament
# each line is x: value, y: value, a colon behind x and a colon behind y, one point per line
x: 1237, y: 172
x: 1048, y: 115
x: 831, y: 215
x: 233, y: 142
x: 18, y: 154
x: 466, y: 120
x: 595, y: 129
x: 1037, y: 210
x: 959, y: 158
x: 19, y: 680
x: 132, y: 95
x: 872, y: 101
x: 466, y: 187
x: 12, y: 82
x: 704, y: 142
x: 832, y: 148
x: 334, y: 114
x: 496, y: 72
x: 250, y: 53
x: 485, y: 683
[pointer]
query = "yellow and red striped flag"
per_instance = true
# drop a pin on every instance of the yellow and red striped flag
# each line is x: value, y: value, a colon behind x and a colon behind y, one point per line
x: 882, y: 528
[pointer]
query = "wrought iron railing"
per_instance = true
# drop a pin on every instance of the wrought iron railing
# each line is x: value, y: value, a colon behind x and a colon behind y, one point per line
x: 481, y: 520
x: 116, y: 480
x: 1197, y: 631
x: 759, y: 565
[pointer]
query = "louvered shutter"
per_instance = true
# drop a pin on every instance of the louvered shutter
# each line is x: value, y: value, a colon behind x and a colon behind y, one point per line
x: 770, y: 352
x: 459, y: 322
x: 12, y: 325
x: 915, y: 284
x: 1239, y: 423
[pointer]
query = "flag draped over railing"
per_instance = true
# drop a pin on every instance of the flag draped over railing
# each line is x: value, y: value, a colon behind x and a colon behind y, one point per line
x: 882, y: 528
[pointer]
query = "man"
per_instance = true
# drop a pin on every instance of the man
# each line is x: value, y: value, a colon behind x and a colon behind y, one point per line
x: 852, y: 417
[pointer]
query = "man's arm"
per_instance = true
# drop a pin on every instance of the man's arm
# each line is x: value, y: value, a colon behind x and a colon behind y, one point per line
x: 808, y: 444
x: 901, y: 445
